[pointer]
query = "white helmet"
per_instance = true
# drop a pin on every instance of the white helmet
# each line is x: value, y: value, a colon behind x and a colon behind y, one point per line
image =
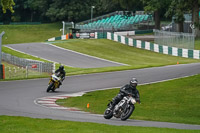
x: 133, y: 82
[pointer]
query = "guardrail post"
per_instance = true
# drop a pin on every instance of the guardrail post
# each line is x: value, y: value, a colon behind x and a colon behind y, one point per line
x: 54, y: 67
x: 27, y: 71
x: 1, y: 66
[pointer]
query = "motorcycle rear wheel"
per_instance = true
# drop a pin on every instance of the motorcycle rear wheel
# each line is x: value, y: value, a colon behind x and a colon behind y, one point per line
x: 125, y: 115
x: 108, y: 114
x: 50, y: 86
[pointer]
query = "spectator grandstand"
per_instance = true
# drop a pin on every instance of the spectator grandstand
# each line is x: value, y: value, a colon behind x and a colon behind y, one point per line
x: 117, y: 21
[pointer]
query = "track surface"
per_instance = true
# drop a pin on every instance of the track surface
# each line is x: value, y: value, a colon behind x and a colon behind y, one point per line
x: 67, y: 57
x: 17, y: 97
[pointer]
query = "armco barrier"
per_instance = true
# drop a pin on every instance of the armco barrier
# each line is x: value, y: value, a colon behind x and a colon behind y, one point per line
x: 187, y: 53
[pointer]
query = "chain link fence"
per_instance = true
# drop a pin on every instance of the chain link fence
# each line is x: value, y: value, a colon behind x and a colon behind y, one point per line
x: 15, y: 72
x: 25, y: 67
x: 174, y: 39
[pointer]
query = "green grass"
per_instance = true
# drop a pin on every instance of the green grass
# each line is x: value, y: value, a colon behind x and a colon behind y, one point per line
x: 172, y: 101
x: 30, y: 33
x: 15, y: 124
x: 197, y: 44
x: 110, y: 50
x: 114, y: 51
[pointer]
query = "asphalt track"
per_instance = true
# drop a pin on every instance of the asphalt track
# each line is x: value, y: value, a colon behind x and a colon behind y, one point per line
x: 64, y: 56
x: 17, y: 97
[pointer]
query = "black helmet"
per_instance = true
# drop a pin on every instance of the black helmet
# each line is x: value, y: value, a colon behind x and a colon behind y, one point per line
x: 133, y: 82
x: 61, y: 67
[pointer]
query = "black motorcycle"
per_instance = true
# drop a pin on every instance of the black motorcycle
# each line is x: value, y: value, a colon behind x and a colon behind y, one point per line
x: 122, y: 110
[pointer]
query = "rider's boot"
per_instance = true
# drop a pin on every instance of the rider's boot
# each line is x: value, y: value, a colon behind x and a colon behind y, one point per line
x: 113, y: 103
x: 60, y: 83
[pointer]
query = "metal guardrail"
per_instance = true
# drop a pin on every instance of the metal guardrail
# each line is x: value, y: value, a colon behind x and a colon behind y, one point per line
x: 174, y: 39
x: 38, y: 66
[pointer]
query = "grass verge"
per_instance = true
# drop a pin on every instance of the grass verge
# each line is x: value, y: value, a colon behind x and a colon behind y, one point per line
x: 29, y: 33
x: 197, y: 44
x: 14, y: 124
x: 171, y: 101
x: 114, y: 51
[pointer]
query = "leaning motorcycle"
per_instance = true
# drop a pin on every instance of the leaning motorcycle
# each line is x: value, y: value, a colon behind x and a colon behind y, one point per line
x: 53, y: 83
x: 122, y: 110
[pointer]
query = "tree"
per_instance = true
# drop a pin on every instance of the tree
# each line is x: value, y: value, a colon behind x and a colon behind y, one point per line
x: 77, y: 10
x: 156, y: 6
x: 7, y: 4
x: 179, y: 7
x: 176, y: 10
x: 129, y: 5
x: 194, y: 6
x: 68, y: 10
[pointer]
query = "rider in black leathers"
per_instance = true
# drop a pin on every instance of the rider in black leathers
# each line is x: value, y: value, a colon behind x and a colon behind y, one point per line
x: 60, y: 72
x: 129, y: 89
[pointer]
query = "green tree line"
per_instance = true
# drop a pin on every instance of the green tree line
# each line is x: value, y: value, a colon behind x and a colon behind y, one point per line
x: 54, y: 10
x: 79, y: 10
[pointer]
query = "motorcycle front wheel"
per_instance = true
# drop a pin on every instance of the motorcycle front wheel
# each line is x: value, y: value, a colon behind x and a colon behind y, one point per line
x: 127, y: 113
x: 108, y: 114
x: 50, y: 86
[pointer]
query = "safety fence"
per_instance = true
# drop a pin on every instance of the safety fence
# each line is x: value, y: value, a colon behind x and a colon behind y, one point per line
x: 174, y: 39
x: 25, y: 67
x: 169, y: 50
x: 18, y: 72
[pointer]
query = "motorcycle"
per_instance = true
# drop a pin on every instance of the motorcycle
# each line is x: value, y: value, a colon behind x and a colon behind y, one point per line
x: 53, y: 83
x: 123, y: 109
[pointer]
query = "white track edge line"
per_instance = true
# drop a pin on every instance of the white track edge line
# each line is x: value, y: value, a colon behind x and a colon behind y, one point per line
x: 88, y: 55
